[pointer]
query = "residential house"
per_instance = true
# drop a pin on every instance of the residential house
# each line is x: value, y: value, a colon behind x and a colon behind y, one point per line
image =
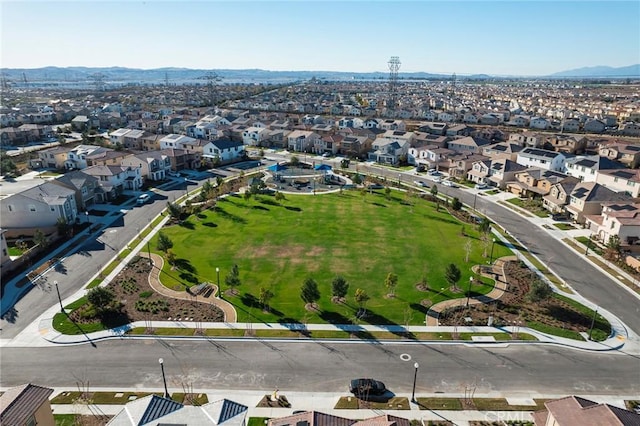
x: 156, y: 410
x: 528, y: 139
x: 114, y: 180
x: 541, y: 158
x: 559, y: 195
x: 355, y: 146
x: 38, y: 207
x: 373, y: 123
x: 26, y: 405
x: 223, y: 151
x: 77, y: 156
x: 133, y: 139
x: 628, y: 154
x: 83, y: 184
x: 177, y: 157
x: 594, y: 126
x: 500, y: 150
x: 534, y: 182
x: 81, y: 123
x: 174, y: 141
x: 206, y: 130
x: 301, y: 140
x: 539, y: 123
x: 52, y: 158
x: 277, y: 138
x: 388, y: 151
x: 480, y: 172
x: 194, y: 149
x: 620, y: 180
x: 568, y: 144
x: 35, y: 132
x: 323, y: 129
x: 106, y: 157
x: 586, y: 168
x: 467, y: 144
x: 434, y: 128
x: 328, y: 144
x: 315, y: 418
x: 471, y: 118
x: 617, y: 219
x: 151, y: 142
x: 458, y: 130
x: 630, y: 128
x: 117, y: 136
x: 518, y: 121
x: 503, y: 171
x: 587, y: 198
x: 570, y: 125
x: 407, y: 137
x: 457, y: 164
x: 490, y: 119
x: 153, y: 165
x: 577, y: 411
x: 254, y: 136
x: 447, y: 116
x: 353, y: 122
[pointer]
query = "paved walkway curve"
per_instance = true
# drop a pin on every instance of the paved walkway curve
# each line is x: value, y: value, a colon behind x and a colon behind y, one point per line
x: 230, y: 314
x: 497, y: 274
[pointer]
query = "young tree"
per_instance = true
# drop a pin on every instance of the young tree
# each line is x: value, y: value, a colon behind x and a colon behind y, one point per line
x: 452, y: 275
x: 613, y: 250
x: 485, y: 225
x: 265, y: 296
x: 539, y: 291
x: 339, y: 287
x: 40, y: 239
x: 361, y: 297
x: 391, y: 282
x: 357, y: 179
x: 434, y: 191
x: 63, y: 227
x: 456, y: 205
x: 233, y: 278
x: 294, y: 160
x: 387, y: 192
x: 175, y: 210
x: 468, y: 246
x: 164, y: 242
x: 101, y: 298
x: 171, y: 257
x: 309, y: 292
x: 279, y: 196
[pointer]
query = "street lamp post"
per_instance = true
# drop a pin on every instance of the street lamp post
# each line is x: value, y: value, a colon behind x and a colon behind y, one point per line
x: 219, y: 289
x: 164, y: 379
x: 415, y: 376
x: 86, y: 215
x: 593, y: 322
x: 475, y: 197
x: 491, y: 257
x: 469, y: 290
x: 59, y: 298
x: 186, y: 187
x: 399, y: 176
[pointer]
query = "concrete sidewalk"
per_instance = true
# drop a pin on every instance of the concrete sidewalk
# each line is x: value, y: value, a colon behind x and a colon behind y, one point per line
x: 325, y: 402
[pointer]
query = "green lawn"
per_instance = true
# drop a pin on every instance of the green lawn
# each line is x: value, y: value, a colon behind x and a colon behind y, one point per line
x: 278, y: 245
x: 593, y: 247
x: 564, y: 226
x: 533, y: 207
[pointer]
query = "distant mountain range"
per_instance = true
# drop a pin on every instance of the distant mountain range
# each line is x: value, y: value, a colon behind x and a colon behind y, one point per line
x: 631, y: 71
x: 70, y: 76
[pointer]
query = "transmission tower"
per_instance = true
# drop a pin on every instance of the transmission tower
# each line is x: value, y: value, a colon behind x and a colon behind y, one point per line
x: 166, y: 79
x: 97, y: 80
x: 394, y: 66
x: 212, y: 79
x: 453, y: 85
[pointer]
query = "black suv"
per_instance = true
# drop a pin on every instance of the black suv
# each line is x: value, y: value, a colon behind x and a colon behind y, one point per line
x: 367, y: 387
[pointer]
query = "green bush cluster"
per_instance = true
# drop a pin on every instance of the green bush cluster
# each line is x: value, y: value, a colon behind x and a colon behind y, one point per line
x: 153, y: 306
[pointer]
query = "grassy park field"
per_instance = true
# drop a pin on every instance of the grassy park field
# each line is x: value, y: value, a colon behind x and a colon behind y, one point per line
x: 360, y: 236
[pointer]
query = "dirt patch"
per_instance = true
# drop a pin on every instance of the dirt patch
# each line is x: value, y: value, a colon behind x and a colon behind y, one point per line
x: 514, y: 309
x: 139, y: 302
x: 422, y: 287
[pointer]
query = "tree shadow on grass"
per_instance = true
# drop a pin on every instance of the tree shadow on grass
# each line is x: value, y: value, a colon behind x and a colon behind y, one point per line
x: 378, y: 204
x: 377, y: 319
x: 187, y: 224
x: 226, y: 215
x: 294, y: 325
x: 269, y: 202
x: 260, y: 208
x: 293, y: 208
x: 418, y: 307
x: 185, y: 265
x: 250, y: 301
x: 201, y: 216
x: 210, y: 224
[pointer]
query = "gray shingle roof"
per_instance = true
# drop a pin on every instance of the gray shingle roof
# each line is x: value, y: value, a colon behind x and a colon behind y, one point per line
x: 19, y: 403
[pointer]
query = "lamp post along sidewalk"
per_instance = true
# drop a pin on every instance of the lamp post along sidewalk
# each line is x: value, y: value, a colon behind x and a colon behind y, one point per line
x: 59, y: 298
x: 415, y: 376
x: 164, y: 379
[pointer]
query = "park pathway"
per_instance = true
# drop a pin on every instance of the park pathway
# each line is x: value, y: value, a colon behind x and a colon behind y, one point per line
x: 230, y: 314
x: 496, y: 273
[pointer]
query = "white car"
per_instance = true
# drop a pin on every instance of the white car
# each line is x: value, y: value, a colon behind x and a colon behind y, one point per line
x: 420, y: 183
x: 450, y: 183
x: 143, y: 199
x: 481, y: 186
x: 436, y: 179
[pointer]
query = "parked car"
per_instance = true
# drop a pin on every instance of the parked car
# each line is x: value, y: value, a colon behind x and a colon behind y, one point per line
x: 143, y: 199
x: 421, y: 183
x: 436, y: 178
x: 326, y: 155
x: 481, y: 186
x: 375, y: 186
x: 450, y: 183
x: 367, y: 387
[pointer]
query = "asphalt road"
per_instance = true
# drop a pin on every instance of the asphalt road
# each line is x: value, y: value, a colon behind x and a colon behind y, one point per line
x: 77, y: 269
x: 309, y: 366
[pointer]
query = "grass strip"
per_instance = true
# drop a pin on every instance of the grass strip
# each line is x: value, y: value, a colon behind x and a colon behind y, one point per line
x: 555, y: 331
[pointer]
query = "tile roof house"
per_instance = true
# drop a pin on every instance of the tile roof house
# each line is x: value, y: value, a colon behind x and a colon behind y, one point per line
x: 628, y: 154
x: 558, y: 196
x: 587, y: 199
x: 621, y: 180
x: 38, y: 207
x: 315, y: 418
x: 83, y: 184
x: 499, y: 150
x: 223, y: 150
x: 155, y: 410
x: 468, y: 144
x: 113, y: 180
x: 503, y: 171
x: 541, y: 158
x: 621, y: 219
x: 586, y: 168
x: 153, y: 165
x: 26, y: 405
x: 576, y: 411
x: 534, y: 182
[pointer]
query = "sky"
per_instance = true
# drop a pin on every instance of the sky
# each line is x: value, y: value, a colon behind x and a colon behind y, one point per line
x: 462, y: 37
